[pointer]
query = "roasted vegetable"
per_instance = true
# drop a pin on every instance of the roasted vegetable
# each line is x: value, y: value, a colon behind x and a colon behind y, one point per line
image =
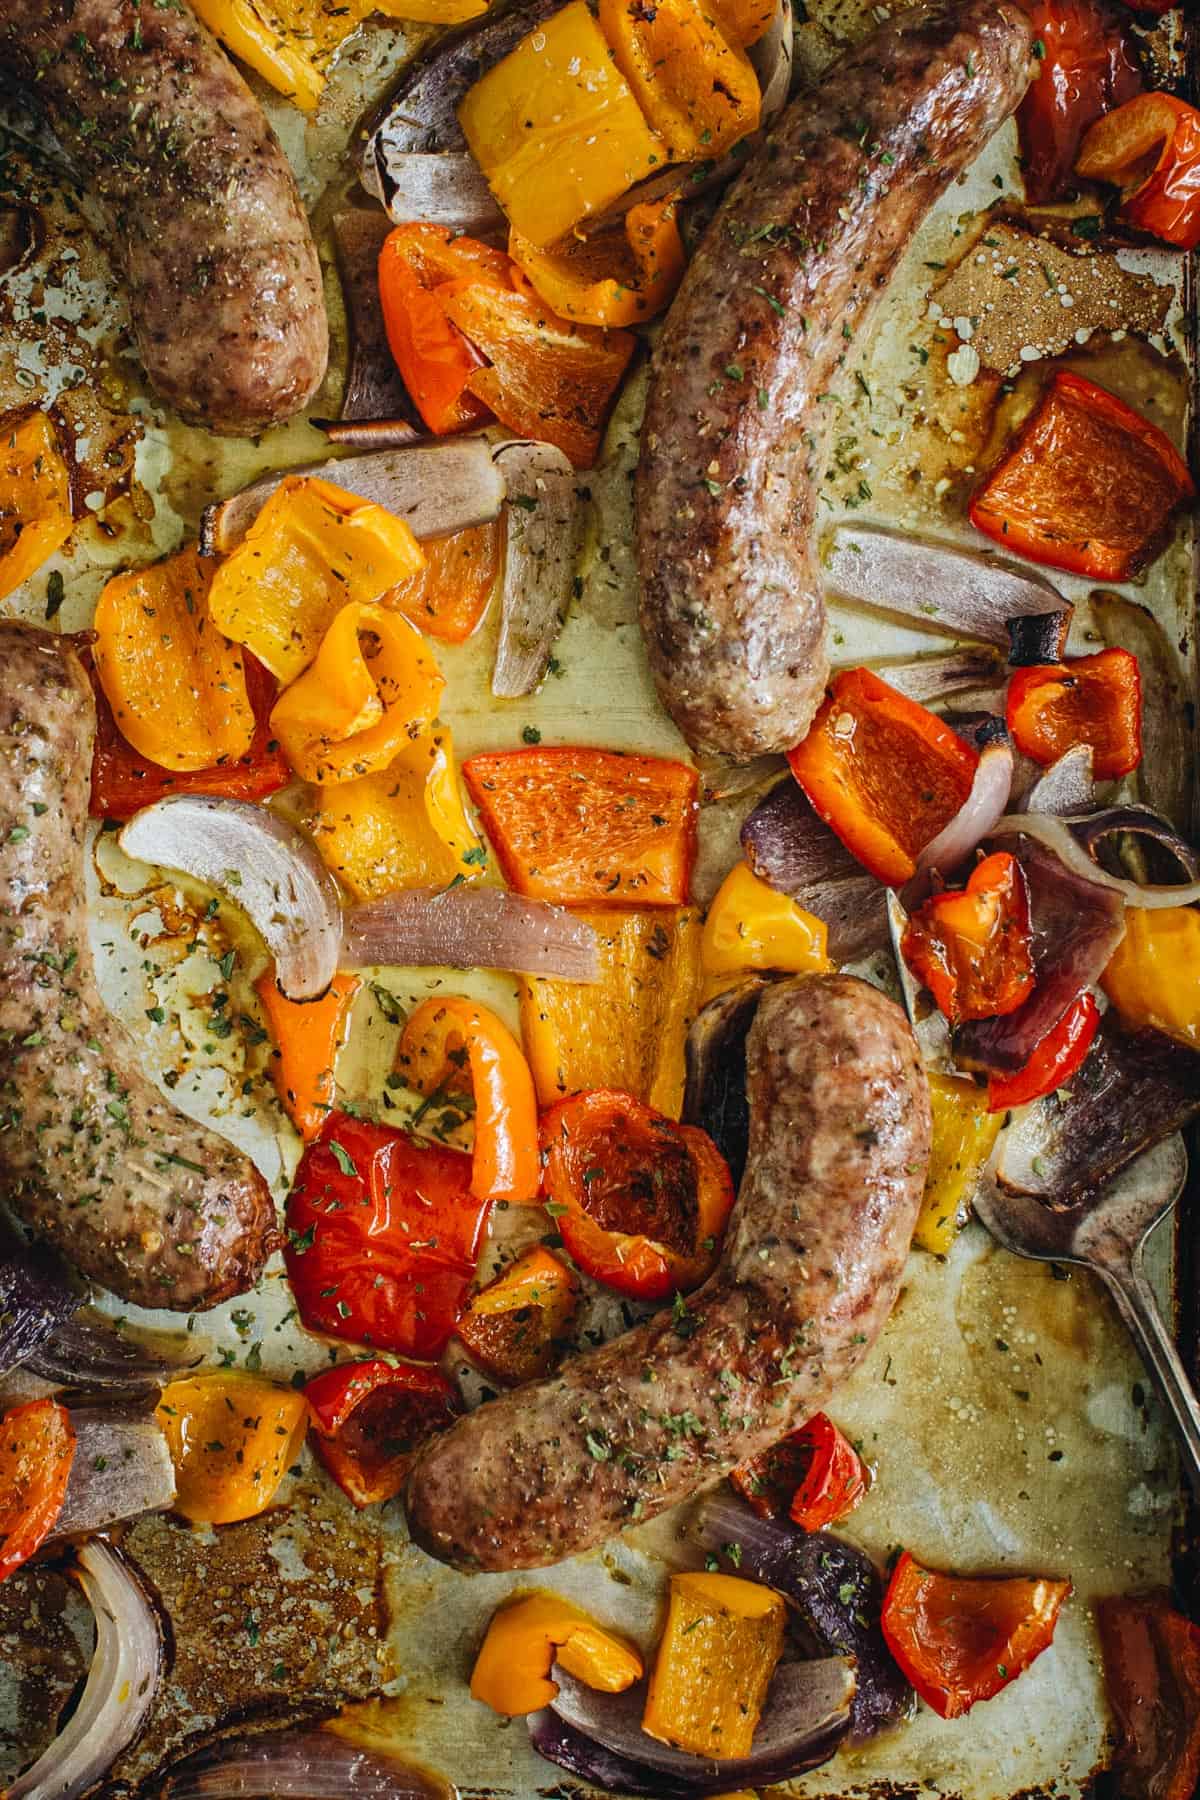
x: 307, y: 1036
x: 1152, y: 1675
x: 753, y: 926
x: 1093, y: 700
x: 617, y: 276
x: 697, y: 89
x: 232, y: 1438
x: 1087, y: 65
x: 37, y: 1448
x: 1150, y: 149
x: 368, y: 1420
x: 813, y: 1475
x: 35, y: 498
x: 964, y: 1135
x: 527, y: 1635
x: 714, y: 1663
x: 1154, y: 975
x: 1059, y: 1054
x: 972, y: 949
x: 514, y: 1325
x: 449, y: 596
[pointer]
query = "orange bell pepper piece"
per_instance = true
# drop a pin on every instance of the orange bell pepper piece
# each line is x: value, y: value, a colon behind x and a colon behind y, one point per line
x: 37, y: 1448
x: 1088, y: 485
x: 513, y: 1325
x: 1152, y: 1676
x: 588, y: 827
x: 445, y: 1037
x: 449, y: 596
x: 370, y: 694
x: 232, y: 1438
x: 527, y: 1635
x: 1163, y: 196
x: 35, y: 499
x: 698, y: 91
x: 615, y: 277
x: 743, y: 22
x: 883, y: 772
x: 718, y: 1651
x: 177, y: 688
x: 1094, y: 700
x: 973, y: 949
x: 307, y: 1035
x: 433, y: 357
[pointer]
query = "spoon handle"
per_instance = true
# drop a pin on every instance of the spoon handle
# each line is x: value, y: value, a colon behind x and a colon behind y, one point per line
x: 1138, y: 1307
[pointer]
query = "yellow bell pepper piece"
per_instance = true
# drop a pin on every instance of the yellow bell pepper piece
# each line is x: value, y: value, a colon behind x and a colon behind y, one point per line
x: 177, y: 688
x: 35, y: 499
x: 371, y: 691
x: 512, y: 1670
x: 698, y: 91
x: 615, y: 277
x: 750, y: 925
x: 555, y: 128
x: 743, y: 22
x: 1153, y: 977
x: 232, y: 1438
x: 405, y: 827
x: 312, y: 550
x: 964, y: 1133
x: 722, y: 1640
x: 628, y: 1029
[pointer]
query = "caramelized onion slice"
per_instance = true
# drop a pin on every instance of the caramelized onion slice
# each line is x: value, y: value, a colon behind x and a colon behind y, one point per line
x: 963, y: 592
x: 93, y: 1354
x: 544, y: 536
x: 121, y: 1469
x: 1061, y: 836
x: 297, y: 1765
x: 470, y: 928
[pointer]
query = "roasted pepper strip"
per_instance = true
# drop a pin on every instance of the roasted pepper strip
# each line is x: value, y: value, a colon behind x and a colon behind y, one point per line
x: 640, y: 1202
x: 232, y: 1438
x: 1153, y: 976
x: 814, y: 1475
x: 177, y: 688
x: 433, y: 357
x: 37, y: 1448
x: 753, y: 926
x: 1087, y: 485
x: 697, y: 90
x: 714, y: 1664
x: 1054, y: 1061
x: 515, y: 1324
x: 370, y: 695
x: 964, y: 1133
x: 35, y: 498
x: 1152, y: 1675
x: 1086, y: 66
x: 370, y: 1418
x: 445, y: 1039
x: 383, y: 1237
x: 885, y: 773
x: 1094, y: 700
x: 313, y: 549
x: 1162, y: 198
x: 556, y: 129
x: 627, y: 1030
x: 123, y: 782
x: 449, y: 596
x: 972, y: 950
x: 527, y: 1635
x: 588, y: 827
x: 307, y: 1036
x: 962, y: 1640
x: 620, y: 276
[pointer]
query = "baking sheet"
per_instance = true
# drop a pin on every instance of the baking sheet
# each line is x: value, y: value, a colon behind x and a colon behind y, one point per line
x: 1003, y: 1410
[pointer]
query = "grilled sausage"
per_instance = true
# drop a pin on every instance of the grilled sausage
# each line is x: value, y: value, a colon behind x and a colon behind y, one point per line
x: 839, y: 1144
x: 159, y: 1209
x: 787, y: 275
x: 224, y: 281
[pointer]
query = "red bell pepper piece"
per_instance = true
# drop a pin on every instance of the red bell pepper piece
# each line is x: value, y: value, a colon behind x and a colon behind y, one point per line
x: 962, y: 1640
x: 1152, y: 1674
x: 515, y: 1324
x: 1087, y: 485
x: 123, y: 782
x: 1160, y: 196
x: 589, y: 827
x: 1087, y: 66
x: 1095, y: 700
x: 640, y: 1201
x: 1054, y: 1061
x: 434, y: 358
x: 814, y: 1475
x: 37, y: 1448
x: 369, y: 1419
x: 383, y: 1237
x: 884, y: 772
x: 973, y: 950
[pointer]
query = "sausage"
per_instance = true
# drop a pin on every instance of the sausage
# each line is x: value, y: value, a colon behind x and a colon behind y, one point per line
x: 224, y: 281
x: 787, y: 275
x: 92, y: 1157
x: 839, y: 1145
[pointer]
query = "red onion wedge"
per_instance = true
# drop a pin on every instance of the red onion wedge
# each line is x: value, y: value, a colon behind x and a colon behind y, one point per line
x: 791, y: 849
x: 298, y: 1765
x: 1059, y: 836
x: 715, y: 1091
x: 963, y: 593
x: 929, y: 679
x: 1067, y: 786
x: 807, y: 1712
x: 121, y: 1469
x: 470, y: 928
x: 544, y: 529
x: 36, y: 1297
x: 261, y: 863
x: 442, y: 188
x: 436, y: 486
x: 90, y: 1353
x: 972, y: 822
x: 120, y: 1687
x: 373, y: 388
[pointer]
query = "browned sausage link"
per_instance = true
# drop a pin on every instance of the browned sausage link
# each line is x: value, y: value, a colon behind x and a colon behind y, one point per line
x: 225, y: 285
x: 839, y: 1144
x: 784, y: 280
x: 159, y: 1209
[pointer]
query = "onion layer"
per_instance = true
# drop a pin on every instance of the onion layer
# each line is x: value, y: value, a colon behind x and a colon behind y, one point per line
x: 1067, y: 786
x: 973, y: 821
x: 297, y: 1765
x: 1059, y: 836
x: 263, y: 865
x: 120, y: 1686
x: 544, y: 518
x: 963, y: 592
x: 121, y: 1469
x: 470, y: 928
x: 929, y: 679
x: 89, y: 1352
x: 36, y: 1298
x: 791, y: 849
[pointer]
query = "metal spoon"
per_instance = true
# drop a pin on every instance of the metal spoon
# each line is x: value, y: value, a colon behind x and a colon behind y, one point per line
x: 1109, y: 1236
